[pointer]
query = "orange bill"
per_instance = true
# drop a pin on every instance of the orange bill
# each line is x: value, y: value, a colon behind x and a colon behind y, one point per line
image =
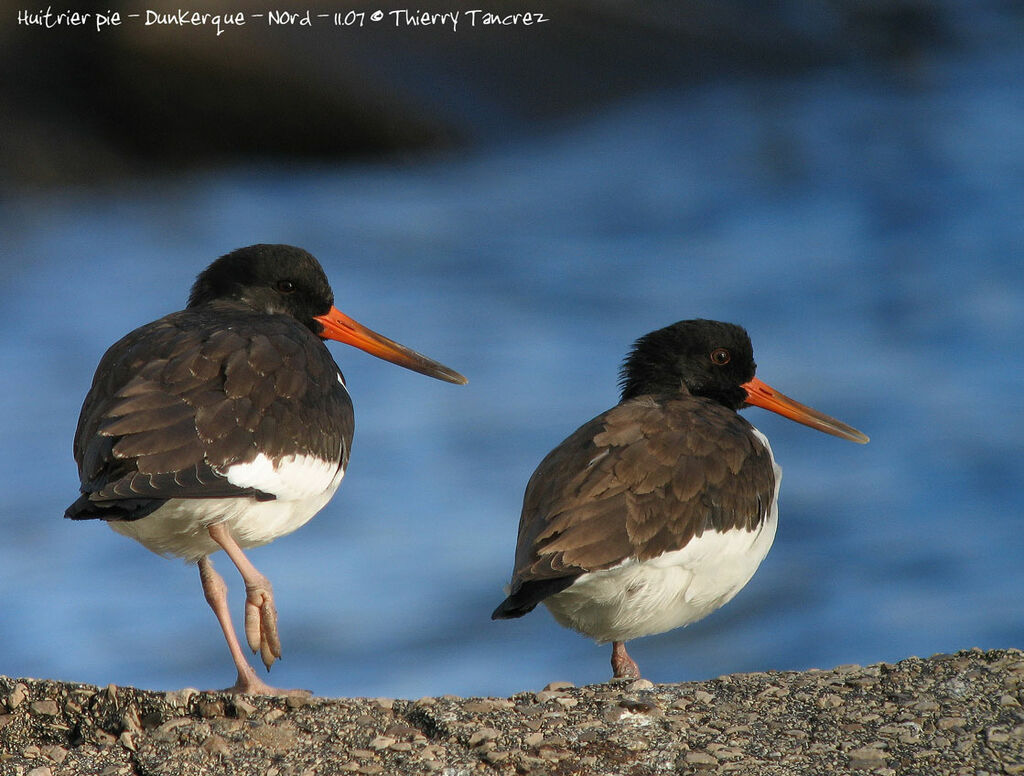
x: 763, y: 395
x: 338, y: 326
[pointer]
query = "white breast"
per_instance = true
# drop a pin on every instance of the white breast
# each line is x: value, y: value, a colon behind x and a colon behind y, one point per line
x: 302, y: 484
x: 639, y: 598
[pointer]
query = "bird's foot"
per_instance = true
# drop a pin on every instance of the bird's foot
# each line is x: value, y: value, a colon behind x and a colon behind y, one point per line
x: 250, y: 684
x: 261, y: 622
x: 623, y: 666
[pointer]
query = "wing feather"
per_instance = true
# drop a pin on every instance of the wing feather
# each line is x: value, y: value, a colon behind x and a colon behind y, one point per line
x: 640, y: 480
x: 175, y: 401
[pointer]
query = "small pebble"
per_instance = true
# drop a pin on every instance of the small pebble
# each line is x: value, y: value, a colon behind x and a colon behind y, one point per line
x: 551, y: 753
x: 866, y: 757
x: 216, y: 745
x: 639, y: 684
x: 296, y: 701
x: 211, y: 709
x: 700, y: 758
x: 546, y: 695
x: 53, y: 752
x: 181, y: 697
x: 482, y: 735
x: 17, y: 696
x: 403, y: 731
x: 103, y: 738
x: 559, y: 686
x: 47, y: 708
x: 243, y: 710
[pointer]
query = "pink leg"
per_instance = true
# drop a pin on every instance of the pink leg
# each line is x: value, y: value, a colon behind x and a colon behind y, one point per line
x: 217, y: 596
x: 623, y: 666
x: 260, y: 612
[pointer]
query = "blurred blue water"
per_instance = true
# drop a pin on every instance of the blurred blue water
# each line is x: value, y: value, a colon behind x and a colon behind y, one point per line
x: 865, y: 228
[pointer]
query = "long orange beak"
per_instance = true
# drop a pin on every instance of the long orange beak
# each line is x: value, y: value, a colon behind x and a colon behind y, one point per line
x: 338, y: 326
x: 763, y: 395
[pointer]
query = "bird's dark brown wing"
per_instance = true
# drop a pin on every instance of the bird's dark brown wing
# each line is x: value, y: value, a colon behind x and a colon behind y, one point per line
x: 176, y: 402
x: 638, y: 481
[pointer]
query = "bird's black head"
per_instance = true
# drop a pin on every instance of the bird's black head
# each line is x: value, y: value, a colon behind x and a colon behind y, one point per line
x: 710, y: 358
x: 269, y: 279
x: 287, y: 280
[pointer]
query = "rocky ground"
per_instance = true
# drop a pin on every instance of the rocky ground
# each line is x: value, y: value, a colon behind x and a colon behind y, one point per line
x: 948, y: 714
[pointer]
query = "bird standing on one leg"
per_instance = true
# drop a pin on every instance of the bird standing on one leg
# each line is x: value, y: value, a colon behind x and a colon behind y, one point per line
x: 658, y: 511
x: 227, y: 425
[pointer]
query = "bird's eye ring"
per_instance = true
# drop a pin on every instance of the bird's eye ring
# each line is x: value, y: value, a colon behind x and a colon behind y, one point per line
x: 720, y: 356
x: 285, y: 286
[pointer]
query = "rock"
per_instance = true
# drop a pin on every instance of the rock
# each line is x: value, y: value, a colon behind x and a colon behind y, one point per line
x: 943, y: 716
x: 17, y: 696
x: 639, y: 684
x: 482, y: 735
x: 48, y: 708
x: 866, y: 757
x: 559, y: 686
x: 242, y: 708
x: 700, y: 759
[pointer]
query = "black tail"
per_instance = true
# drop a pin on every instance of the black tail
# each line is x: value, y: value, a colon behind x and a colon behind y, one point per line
x: 122, y: 509
x: 527, y: 595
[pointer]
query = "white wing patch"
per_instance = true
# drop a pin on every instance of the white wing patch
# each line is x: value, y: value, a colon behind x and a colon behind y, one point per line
x: 638, y: 598
x: 302, y: 484
x: 292, y: 478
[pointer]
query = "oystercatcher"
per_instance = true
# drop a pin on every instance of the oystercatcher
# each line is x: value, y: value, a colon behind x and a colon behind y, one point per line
x: 658, y: 511
x: 228, y: 424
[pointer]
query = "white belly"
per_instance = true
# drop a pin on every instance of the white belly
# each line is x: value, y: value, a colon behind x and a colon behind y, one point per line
x: 639, y: 598
x: 303, y: 486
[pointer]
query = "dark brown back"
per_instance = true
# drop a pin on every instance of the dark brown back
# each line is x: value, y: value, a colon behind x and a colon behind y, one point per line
x: 640, y: 480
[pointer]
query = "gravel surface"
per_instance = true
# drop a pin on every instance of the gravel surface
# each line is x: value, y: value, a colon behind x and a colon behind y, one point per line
x: 948, y: 714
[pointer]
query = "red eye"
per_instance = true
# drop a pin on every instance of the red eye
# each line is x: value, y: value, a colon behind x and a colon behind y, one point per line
x: 720, y: 356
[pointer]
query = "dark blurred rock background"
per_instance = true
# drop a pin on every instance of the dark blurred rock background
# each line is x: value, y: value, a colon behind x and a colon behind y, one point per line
x: 87, y: 106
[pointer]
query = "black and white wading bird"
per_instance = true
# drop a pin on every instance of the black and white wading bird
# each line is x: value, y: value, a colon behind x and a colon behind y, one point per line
x: 228, y: 424
x: 658, y: 511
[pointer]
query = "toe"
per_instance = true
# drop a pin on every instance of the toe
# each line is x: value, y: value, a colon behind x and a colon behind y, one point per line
x: 253, y: 625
